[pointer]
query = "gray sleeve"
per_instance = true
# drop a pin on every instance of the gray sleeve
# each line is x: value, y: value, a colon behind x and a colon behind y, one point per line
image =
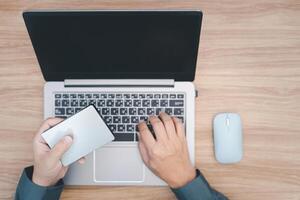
x: 27, y: 190
x: 198, y: 189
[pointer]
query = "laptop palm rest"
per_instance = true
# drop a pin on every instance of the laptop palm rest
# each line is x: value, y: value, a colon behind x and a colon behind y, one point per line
x: 122, y: 164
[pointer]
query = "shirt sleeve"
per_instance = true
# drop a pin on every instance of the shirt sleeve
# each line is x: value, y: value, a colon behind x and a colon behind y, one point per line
x: 27, y: 190
x: 198, y: 189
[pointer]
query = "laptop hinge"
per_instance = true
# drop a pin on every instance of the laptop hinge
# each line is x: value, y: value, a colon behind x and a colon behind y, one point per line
x: 119, y: 83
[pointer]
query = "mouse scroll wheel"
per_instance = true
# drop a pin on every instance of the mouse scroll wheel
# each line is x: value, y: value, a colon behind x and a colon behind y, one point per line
x: 227, y: 121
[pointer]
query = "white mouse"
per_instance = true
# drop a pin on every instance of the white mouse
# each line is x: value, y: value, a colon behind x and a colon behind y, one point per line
x: 228, y: 138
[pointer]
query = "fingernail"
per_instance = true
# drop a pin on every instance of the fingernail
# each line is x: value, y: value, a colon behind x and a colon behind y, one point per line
x: 68, y: 139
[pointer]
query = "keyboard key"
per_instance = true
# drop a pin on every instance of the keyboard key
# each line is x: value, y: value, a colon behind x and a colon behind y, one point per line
x: 144, y: 118
x: 142, y: 96
x: 77, y: 110
x: 154, y: 103
x: 134, y: 96
x: 103, y: 96
x: 116, y: 119
x: 169, y: 111
x: 121, y: 127
x: 112, y: 127
x: 163, y: 103
x: 172, y: 96
x: 107, y: 119
x: 73, y: 96
x: 83, y: 103
x: 132, y: 111
x: 101, y: 103
x: 178, y: 111
x: 146, y: 103
x: 123, y: 111
x: 128, y: 103
x: 65, y: 103
x: 157, y: 96
x: 80, y: 96
x: 60, y: 111
x: 74, y: 103
x: 141, y: 111
x: 66, y: 96
x: 109, y: 103
x: 137, y: 103
x: 180, y: 96
x: 176, y: 103
x: 105, y: 111
x: 57, y: 102
x: 119, y: 103
x: 150, y: 111
x: 125, y: 119
x: 149, y: 96
x: 96, y: 96
x: 111, y: 96
x: 119, y: 96
x: 124, y: 136
x: 88, y: 96
x: 57, y: 96
x: 134, y: 119
x: 126, y: 96
x: 158, y: 110
x: 165, y: 96
x: 92, y: 102
x: 70, y: 111
x: 130, y: 127
x: 114, y: 111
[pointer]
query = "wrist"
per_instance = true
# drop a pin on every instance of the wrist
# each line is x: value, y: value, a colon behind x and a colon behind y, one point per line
x: 40, y: 181
x: 183, y: 178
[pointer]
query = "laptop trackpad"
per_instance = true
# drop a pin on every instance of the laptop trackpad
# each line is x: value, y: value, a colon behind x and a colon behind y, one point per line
x: 121, y: 164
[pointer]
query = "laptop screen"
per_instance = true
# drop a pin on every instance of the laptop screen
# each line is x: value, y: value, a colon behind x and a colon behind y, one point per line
x: 115, y: 44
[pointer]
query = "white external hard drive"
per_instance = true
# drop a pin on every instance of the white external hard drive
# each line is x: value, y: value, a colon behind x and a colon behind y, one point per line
x: 88, y: 130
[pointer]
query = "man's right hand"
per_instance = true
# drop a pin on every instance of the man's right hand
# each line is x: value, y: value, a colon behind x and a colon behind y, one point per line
x: 167, y: 155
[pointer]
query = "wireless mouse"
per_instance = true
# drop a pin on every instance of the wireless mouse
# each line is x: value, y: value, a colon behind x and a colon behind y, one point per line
x: 228, y: 138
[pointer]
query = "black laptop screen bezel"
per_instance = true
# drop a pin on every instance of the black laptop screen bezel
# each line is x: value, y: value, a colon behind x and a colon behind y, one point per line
x: 188, y: 75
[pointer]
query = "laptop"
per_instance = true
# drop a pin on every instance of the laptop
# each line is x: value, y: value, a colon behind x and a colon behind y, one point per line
x: 130, y: 65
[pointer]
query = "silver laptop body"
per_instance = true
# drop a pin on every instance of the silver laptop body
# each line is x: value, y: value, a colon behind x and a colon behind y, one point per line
x: 123, y: 99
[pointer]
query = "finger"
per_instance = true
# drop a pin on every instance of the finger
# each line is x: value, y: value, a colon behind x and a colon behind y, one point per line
x: 81, y: 160
x: 169, y: 125
x: 45, y: 125
x: 50, y: 122
x: 179, y: 127
x: 145, y: 135
x: 159, y: 129
x: 144, y: 153
x: 60, y: 148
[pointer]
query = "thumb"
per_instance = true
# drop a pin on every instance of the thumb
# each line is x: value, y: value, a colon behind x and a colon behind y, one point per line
x: 61, y: 147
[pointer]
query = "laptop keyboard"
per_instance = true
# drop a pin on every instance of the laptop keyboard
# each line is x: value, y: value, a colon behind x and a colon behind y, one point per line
x: 121, y: 111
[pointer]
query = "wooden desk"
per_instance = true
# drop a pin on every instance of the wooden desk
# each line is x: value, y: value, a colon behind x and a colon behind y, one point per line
x: 249, y: 62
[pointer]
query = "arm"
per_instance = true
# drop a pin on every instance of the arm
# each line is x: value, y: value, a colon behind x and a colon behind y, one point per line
x: 44, y: 180
x: 198, y: 189
x: 28, y: 190
x: 166, y: 155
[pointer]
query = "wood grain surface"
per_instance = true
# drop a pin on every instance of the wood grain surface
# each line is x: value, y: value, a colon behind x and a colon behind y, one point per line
x: 249, y: 62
